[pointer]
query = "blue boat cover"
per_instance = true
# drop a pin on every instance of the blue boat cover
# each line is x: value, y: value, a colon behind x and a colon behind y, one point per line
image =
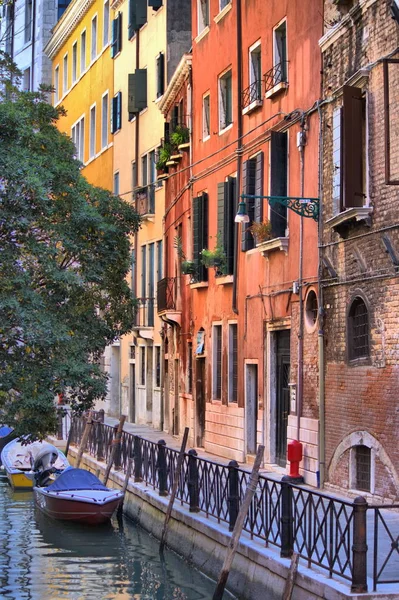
x: 5, y: 430
x: 76, y: 479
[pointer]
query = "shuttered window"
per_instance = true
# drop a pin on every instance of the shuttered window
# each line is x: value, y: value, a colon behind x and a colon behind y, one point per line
x: 200, y: 233
x: 217, y: 362
x: 137, y: 91
x: 155, y: 4
x: 137, y: 16
x: 233, y: 368
x: 116, y: 44
x: 160, y: 74
x: 278, y: 181
x: 353, y: 116
x: 252, y: 180
x: 226, y: 215
x: 116, y: 115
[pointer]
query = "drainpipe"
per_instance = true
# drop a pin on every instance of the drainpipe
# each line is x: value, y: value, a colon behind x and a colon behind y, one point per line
x: 239, y: 152
x: 322, y: 415
x: 33, y: 46
x: 301, y: 147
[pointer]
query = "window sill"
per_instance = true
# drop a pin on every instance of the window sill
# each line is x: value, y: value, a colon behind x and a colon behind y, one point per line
x: 222, y: 13
x: 364, y: 361
x: 201, y: 35
x: 283, y: 85
x: 350, y: 216
x: 225, y: 280
x: 253, y: 106
x: 206, y: 138
x: 222, y: 131
x: 280, y: 243
x: 199, y: 285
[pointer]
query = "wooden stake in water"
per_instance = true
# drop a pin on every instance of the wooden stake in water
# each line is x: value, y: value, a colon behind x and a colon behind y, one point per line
x: 290, y: 581
x: 115, y: 442
x: 174, y: 488
x: 85, y: 437
x: 235, y: 536
x: 125, y: 484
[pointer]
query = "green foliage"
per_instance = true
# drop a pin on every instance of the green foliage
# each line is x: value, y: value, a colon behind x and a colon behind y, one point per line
x: 261, y: 231
x: 64, y: 257
x: 215, y: 258
x: 180, y: 135
x: 165, y: 152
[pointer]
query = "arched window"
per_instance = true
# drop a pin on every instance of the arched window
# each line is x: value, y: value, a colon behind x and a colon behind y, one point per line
x: 358, y: 330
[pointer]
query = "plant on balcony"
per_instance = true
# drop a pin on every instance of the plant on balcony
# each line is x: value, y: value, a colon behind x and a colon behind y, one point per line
x: 215, y: 258
x: 189, y: 267
x: 261, y: 231
x: 180, y: 135
x: 164, y: 155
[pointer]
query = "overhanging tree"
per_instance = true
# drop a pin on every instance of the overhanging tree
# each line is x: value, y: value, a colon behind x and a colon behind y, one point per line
x: 64, y: 257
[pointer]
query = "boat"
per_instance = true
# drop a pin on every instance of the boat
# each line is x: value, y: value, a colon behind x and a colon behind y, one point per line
x: 27, y: 464
x: 78, y: 495
x: 7, y: 434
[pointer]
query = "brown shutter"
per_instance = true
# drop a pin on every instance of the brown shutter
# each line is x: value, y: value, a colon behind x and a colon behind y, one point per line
x: 353, y: 147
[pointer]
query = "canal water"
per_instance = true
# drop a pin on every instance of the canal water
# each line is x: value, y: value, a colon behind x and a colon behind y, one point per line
x: 42, y: 559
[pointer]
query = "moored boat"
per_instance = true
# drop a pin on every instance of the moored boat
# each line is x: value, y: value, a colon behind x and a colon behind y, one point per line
x: 78, y: 495
x: 7, y: 434
x: 29, y: 463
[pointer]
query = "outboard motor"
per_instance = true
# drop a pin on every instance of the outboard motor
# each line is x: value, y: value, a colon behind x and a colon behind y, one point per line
x: 43, y: 465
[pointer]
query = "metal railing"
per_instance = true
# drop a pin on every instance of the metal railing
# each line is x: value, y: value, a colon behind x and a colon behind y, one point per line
x: 326, y: 532
x: 252, y: 93
x: 166, y: 294
x: 144, y: 316
x: 276, y: 75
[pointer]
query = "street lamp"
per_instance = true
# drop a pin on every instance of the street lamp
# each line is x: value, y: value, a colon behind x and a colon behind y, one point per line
x: 242, y: 215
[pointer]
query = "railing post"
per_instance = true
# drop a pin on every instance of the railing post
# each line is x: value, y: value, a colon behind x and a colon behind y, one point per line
x: 100, y: 415
x: 99, y: 441
x: 137, y: 458
x: 193, y: 484
x: 60, y: 417
x: 162, y: 472
x: 287, y: 534
x: 359, y: 548
x: 234, y: 498
x: 118, y: 450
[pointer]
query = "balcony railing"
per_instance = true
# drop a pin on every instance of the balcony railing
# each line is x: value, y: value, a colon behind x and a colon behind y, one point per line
x: 276, y: 75
x: 144, y: 316
x: 251, y: 94
x: 145, y: 199
x: 166, y: 294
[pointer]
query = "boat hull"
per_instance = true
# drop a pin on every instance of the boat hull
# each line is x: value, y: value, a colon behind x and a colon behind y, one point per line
x: 75, y: 509
x: 19, y: 481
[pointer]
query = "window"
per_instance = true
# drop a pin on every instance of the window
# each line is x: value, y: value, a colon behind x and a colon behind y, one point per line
x: 143, y: 271
x: 106, y: 23
x: 358, y: 330
x: 28, y: 21
x: 363, y: 468
x: 92, y: 147
x: 206, y: 116
x: 144, y: 170
x: 311, y: 309
x: 225, y: 101
x: 255, y: 73
x: 137, y: 91
x: 157, y: 366
x: 200, y: 233
x: 217, y: 362
x: 74, y: 62
x: 142, y: 365
x: 349, y: 151
x: 26, y: 80
x: 160, y: 74
x: 137, y: 16
x: 280, y: 53
x: 65, y: 74
x: 226, y: 216
x: 78, y: 138
x: 116, y: 43
x: 116, y: 183
x: 116, y: 115
x: 190, y: 367
x: 57, y: 84
x: 159, y: 260
x: 278, y: 181
x: 104, y: 121
x: 203, y: 15
x: 62, y: 5
x: 223, y: 4
x: 252, y: 179
x: 93, y: 53
x: 232, y: 379
x: 134, y: 178
x: 83, y: 52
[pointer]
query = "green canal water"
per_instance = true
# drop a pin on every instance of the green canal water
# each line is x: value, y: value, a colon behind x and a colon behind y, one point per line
x: 42, y: 559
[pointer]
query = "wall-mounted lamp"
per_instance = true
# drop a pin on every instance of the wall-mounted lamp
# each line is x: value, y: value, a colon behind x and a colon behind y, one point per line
x: 242, y: 215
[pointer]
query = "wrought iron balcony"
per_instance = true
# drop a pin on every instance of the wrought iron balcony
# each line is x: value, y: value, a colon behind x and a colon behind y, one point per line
x: 167, y: 300
x: 251, y: 94
x: 145, y: 200
x: 144, y: 316
x: 276, y: 75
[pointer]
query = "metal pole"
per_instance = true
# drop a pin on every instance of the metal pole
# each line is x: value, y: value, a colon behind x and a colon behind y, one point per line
x: 359, y: 548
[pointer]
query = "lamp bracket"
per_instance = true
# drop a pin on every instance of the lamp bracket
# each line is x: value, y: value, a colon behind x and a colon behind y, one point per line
x: 305, y: 207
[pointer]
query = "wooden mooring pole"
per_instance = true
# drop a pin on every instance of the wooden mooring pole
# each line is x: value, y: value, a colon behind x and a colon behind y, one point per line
x: 115, y: 442
x: 125, y: 484
x: 235, y: 536
x: 290, y: 581
x: 174, y: 488
x: 85, y: 437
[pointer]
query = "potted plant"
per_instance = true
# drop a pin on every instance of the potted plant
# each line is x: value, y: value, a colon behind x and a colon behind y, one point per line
x: 163, y: 157
x: 189, y: 267
x: 261, y: 231
x: 180, y: 136
x: 215, y: 258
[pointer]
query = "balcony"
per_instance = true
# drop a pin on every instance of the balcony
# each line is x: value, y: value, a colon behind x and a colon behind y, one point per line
x: 276, y: 79
x: 145, y: 200
x: 166, y: 301
x: 144, y: 318
x: 251, y: 97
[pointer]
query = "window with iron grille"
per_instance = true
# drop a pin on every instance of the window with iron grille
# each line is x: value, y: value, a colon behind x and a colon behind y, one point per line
x: 280, y: 53
x: 358, y: 330
x: 142, y: 365
x: 217, y: 362
x: 233, y: 367
x: 363, y: 468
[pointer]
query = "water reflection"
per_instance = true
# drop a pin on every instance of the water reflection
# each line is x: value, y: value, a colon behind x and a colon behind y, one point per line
x: 42, y: 559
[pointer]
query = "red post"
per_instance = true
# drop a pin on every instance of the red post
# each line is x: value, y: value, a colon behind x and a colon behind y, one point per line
x: 294, y: 456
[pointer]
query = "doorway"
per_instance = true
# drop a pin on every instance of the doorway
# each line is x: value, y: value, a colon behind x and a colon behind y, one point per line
x: 282, y: 394
x: 176, y: 414
x: 149, y: 384
x: 132, y: 411
x: 200, y: 400
x: 251, y: 406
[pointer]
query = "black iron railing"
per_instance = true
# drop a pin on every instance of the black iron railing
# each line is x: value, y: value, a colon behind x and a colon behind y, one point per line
x: 166, y: 294
x: 276, y: 75
x: 251, y: 94
x: 144, y: 316
x: 326, y: 532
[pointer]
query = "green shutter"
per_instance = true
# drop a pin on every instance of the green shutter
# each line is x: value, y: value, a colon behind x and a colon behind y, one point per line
x: 229, y: 223
x: 200, y: 233
x: 114, y: 114
x: 119, y: 33
x: 114, y: 37
x: 248, y: 180
x: 278, y: 181
x: 131, y: 93
x: 155, y: 4
x: 119, y: 110
x: 160, y: 74
x: 141, y: 13
x: 258, y: 209
x: 221, y: 211
x: 137, y: 91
